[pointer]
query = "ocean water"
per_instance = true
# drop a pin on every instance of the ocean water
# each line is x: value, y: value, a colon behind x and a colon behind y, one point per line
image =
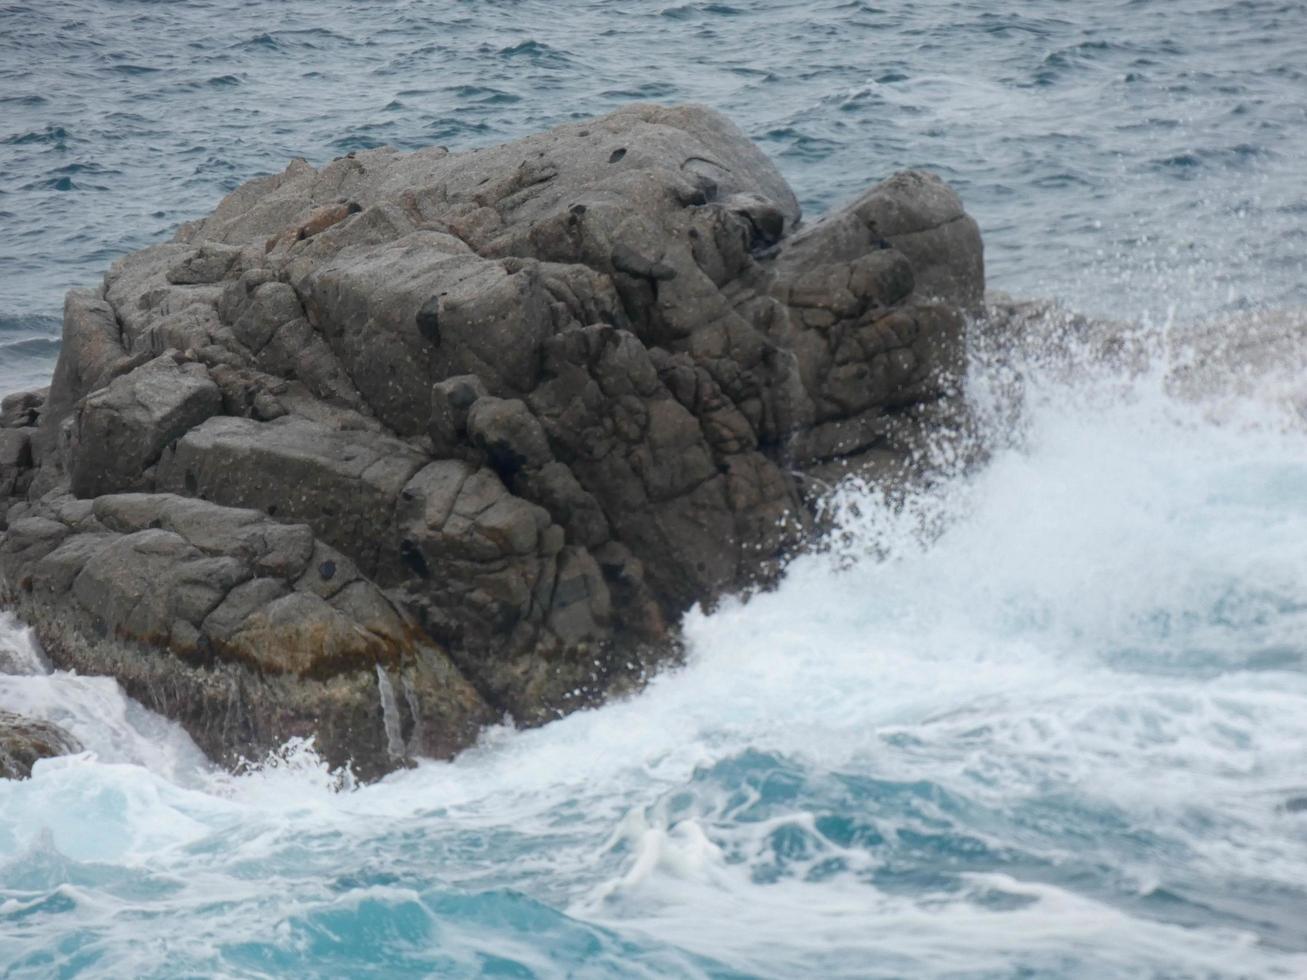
x: 1048, y: 719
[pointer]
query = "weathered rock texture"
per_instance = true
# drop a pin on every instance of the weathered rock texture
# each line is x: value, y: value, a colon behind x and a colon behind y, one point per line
x: 386, y: 450
x: 25, y: 741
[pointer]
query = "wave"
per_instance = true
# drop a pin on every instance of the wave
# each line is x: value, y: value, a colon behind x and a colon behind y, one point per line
x: 1041, y: 716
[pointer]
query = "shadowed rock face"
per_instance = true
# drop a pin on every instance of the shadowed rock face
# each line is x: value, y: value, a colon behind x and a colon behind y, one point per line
x: 382, y: 451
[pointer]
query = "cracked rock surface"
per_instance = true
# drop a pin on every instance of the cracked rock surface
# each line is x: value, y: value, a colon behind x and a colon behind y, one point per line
x: 384, y: 451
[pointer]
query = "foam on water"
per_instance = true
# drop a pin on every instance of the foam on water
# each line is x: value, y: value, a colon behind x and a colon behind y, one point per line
x: 1045, y: 717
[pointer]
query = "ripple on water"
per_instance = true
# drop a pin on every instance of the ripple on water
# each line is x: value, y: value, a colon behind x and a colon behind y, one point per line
x: 1228, y: 95
x: 483, y: 96
x: 135, y: 69
x: 51, y: 134
x: 536, y: 53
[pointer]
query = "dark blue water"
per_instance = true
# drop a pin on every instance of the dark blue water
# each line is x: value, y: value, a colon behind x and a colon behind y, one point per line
x: 1058, y: 740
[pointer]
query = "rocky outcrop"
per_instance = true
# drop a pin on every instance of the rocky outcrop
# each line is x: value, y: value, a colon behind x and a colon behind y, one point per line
x: 385, y: 450
x: 25, y: 741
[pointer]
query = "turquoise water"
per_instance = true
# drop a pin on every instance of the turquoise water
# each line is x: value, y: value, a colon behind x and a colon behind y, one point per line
x: 1058, y: 736
x: 1057, y: 740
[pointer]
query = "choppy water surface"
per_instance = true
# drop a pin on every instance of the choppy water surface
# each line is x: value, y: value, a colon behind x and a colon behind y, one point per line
x: 1060, y: 740
x: 1063, y: 738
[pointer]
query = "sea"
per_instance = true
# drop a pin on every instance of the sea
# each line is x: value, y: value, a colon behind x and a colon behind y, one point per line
x: 1045, y: 718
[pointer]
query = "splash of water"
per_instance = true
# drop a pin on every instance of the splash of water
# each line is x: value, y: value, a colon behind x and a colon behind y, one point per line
x: 1046, y: 716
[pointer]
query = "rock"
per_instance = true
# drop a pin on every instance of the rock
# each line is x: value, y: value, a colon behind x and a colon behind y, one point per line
x: 451, y: 400
x: 90, y: 356
x: 246, y: 630
x: 20, y: 416
x: 509, y: 435
x: 343, y: 484
x: 15, y: 457
x: 208, y: 264
x: 121, y: 430
x: 465, y: 434
x: 22, y: 408
x: 24, y: 741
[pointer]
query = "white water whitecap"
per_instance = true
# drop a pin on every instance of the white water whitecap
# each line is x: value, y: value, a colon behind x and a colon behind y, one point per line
x: 1046, y: 716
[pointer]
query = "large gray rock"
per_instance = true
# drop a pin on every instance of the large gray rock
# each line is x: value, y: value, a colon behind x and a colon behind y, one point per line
x: 539, y: 398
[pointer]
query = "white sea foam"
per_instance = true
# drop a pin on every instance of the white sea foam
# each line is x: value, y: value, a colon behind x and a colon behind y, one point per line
x: 1046, y: 716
